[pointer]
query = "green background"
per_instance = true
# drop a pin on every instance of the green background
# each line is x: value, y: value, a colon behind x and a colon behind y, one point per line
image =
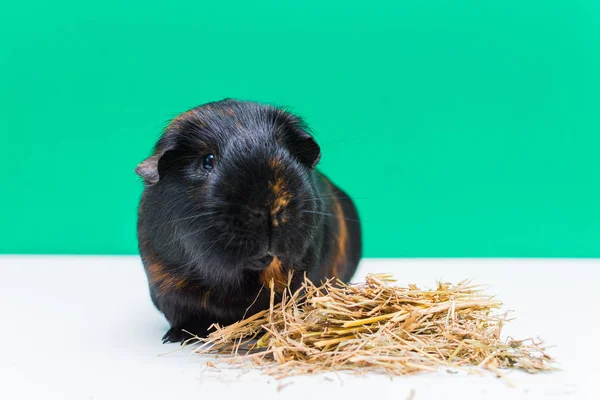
x: 464, y: 128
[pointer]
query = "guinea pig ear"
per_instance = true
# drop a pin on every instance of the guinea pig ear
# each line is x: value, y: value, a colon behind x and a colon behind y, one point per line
x: 307, y: 150
x: 297, y: 138
x: 148, y: 169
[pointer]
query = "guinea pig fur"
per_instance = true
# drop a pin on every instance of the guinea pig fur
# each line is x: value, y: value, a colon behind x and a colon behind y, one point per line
x: 231, y: 201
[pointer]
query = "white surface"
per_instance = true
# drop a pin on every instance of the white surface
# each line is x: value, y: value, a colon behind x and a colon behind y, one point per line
x: 85, y: 328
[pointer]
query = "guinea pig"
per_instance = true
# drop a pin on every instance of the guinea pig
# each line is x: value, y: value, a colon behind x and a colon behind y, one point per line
x: 232, y: 201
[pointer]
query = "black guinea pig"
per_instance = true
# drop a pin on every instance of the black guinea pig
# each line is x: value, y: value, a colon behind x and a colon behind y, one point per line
x: 232, y: 200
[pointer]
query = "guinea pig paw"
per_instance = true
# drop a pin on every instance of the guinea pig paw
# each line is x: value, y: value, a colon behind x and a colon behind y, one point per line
x: 181, y: 335
x: 175, y: 335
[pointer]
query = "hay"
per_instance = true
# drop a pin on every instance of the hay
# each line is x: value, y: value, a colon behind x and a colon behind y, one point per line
x: 375, y: 326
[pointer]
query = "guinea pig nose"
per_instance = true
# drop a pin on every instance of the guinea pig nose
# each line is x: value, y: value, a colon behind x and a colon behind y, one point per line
x: 266, y: 260
x: 261, y: 262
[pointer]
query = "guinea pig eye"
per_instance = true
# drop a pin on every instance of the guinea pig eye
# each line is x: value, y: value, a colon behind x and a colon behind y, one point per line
x: 208, y: 162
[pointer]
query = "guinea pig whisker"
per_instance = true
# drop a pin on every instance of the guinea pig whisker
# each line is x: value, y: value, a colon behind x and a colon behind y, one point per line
x: 327, y: 214
x: 212, y: 244
x: 237, y: 255
x: 317, y: 212
x: 295, y: 229
x: 333, y: 197
x: 321, y: 198
x: 203, y: 214
x: 195, y: 259
x: 230, y: 240
x: 179, y: 237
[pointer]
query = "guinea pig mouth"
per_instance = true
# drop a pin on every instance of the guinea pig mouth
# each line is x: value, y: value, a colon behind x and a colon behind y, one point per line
x: 260, y: 263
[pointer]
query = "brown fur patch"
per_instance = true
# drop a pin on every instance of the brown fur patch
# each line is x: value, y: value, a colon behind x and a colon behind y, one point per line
x: 274, y: 272
x: 282, y: 199
x: 275, y: 163
x: 186, y: 116
x: 339, y: 258
x: 157, y: 275
x: 205, y: 298
x: 220, y: 112
x: 278, y: 187
x: 281, y: 194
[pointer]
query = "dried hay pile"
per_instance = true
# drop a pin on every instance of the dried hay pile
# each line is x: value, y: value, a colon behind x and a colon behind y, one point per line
x: 375, y: 326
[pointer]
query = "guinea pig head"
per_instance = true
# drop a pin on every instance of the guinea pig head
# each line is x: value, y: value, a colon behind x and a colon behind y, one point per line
x: 230, y: 186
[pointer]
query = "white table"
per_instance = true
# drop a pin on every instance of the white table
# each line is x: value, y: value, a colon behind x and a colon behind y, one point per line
x: 84, y: 328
